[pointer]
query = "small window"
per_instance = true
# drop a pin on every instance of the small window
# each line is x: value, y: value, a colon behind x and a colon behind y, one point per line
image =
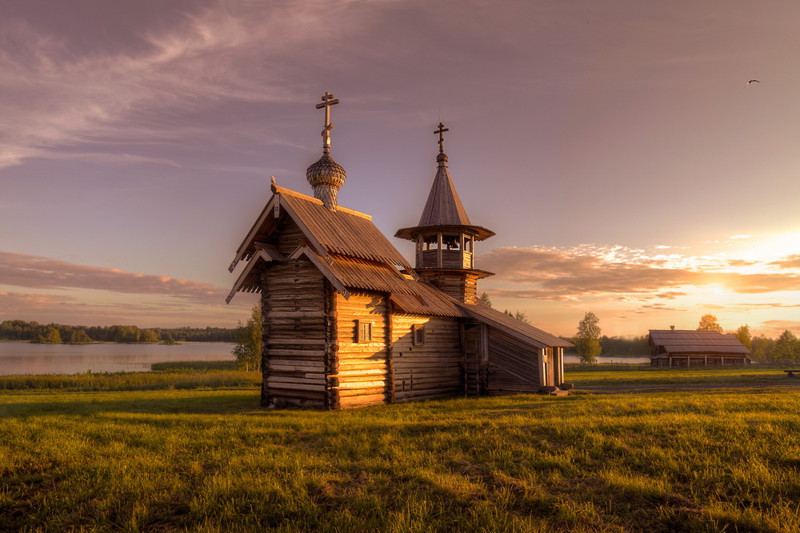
x: 363, y: 331
x: 417, y: 335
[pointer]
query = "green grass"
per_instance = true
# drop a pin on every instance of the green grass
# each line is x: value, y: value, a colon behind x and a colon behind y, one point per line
x: 123, y: 381
x: 211, y: 460
x: 194, y: 365
x: 588, y: 375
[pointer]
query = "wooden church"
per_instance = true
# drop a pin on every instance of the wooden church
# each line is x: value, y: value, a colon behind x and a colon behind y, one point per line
x: 347, y: 321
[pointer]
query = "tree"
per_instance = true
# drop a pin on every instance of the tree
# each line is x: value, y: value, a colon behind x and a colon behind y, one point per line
x: 79, y: 336
x: 588, y: 350
x: 787, y: 347
x: 709, y: 323
x: 522, y: 316
x: 484, y: 299
x: 762, y: 348
x: 148, y: 335
x: 167, y: 338
x: 743, y: 334
x: 51, y: 336
x: 248, y: 345
x: 587, y: 340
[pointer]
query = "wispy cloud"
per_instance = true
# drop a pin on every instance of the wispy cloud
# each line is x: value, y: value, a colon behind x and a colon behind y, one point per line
x: 57, y: 95
x: 563, y: 274
x: 45, y: 273
x: 792, y: 261
x: 776, y: 327
x: 160, y: 312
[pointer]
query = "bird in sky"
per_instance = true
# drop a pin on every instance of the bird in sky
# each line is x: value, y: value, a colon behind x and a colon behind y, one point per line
x: 751, y: 81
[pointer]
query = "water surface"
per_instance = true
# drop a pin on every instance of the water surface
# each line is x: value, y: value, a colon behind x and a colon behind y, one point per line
x: 28, y: 358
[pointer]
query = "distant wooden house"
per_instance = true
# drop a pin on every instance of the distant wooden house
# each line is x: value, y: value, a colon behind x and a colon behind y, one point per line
x: 347, y: 321
x: 687, y: 348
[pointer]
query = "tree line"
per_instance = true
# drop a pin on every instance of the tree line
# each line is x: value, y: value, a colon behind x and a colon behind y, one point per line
x: 589, y: 344
x: 20, y: 330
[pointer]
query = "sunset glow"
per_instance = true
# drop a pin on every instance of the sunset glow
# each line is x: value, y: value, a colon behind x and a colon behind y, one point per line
x: 626, y: 170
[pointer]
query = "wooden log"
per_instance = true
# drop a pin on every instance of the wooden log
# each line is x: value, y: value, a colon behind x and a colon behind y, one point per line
x: 346, y: 384
x: 296, y: 393
x: 305, y: 353
x: 291, y: 386
x: 293, y: 340
x: 349, y: 393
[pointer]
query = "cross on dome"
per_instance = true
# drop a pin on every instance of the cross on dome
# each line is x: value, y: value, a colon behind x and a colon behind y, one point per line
x: 327, y: 101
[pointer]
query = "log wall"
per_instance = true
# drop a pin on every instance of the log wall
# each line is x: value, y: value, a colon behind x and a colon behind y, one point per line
x: 290, y: 239
x: 363, y: 376
x: 430, y: 370
x: 295, y: 335
x: 461, y: 285
x: 513, y: 366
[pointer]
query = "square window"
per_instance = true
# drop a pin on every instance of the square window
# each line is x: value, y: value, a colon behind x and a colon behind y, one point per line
x: 417, y: 335
x: 363, y: 331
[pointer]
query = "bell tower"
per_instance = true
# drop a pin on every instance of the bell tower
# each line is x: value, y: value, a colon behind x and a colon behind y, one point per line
x: 445, y: 238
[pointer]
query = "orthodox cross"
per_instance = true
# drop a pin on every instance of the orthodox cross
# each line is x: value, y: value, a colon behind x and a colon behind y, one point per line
x: 441, y: 131
x: 327, y: 102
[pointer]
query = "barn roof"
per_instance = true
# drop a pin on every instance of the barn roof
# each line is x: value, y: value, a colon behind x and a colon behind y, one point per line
x: 512, y: 326
x: 678, y: 341
x: 344, y: 231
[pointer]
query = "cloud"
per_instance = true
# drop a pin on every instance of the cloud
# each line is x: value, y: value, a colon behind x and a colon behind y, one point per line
x: 791, y: 261
x: 779, y: 326
x: 562, y: 274
x: 15, y: 302
x: 149, y: 83
x: 45, y: 273
x: 669, y: 295
x: 160, y: 312
x: 661, y: 307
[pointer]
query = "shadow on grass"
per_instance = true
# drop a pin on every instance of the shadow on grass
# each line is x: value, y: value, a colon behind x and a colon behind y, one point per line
x: 207, y: 403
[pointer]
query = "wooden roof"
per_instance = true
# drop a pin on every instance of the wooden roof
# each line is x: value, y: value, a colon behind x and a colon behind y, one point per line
x: 344, y: 231
x: 689, y: 341
x: 347, y: 274
x: 444, y: 207
x: 510, y: 325
x: 444, y: 211
x: 353, y: 254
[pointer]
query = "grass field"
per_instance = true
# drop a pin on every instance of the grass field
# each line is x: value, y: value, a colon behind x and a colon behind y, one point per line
x: 209, y: 459
x: 589, y: 375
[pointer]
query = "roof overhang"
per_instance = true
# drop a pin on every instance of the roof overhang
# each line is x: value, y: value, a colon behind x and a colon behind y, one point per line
x: 266, y: 254
x: 479, y: 233
x: 273, y: 210
x: 479, y: 274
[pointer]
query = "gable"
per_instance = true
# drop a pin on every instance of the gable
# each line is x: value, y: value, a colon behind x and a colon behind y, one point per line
x: 344, y: 232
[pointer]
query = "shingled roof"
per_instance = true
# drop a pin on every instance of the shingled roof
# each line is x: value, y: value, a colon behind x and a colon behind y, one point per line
x: 443, y: 210
x: 344, y: 232
x: 514, y: 327
x: 672, y: 342
x: 444, y: 207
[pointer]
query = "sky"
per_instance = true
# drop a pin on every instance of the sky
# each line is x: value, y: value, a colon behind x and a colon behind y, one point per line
x: 614, y: 147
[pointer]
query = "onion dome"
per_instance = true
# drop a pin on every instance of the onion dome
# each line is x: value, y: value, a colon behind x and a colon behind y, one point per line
x: 326, y: 176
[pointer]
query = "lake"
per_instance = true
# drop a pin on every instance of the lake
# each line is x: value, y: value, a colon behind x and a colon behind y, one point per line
x: 27, y: 358
x: 603, y: 360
